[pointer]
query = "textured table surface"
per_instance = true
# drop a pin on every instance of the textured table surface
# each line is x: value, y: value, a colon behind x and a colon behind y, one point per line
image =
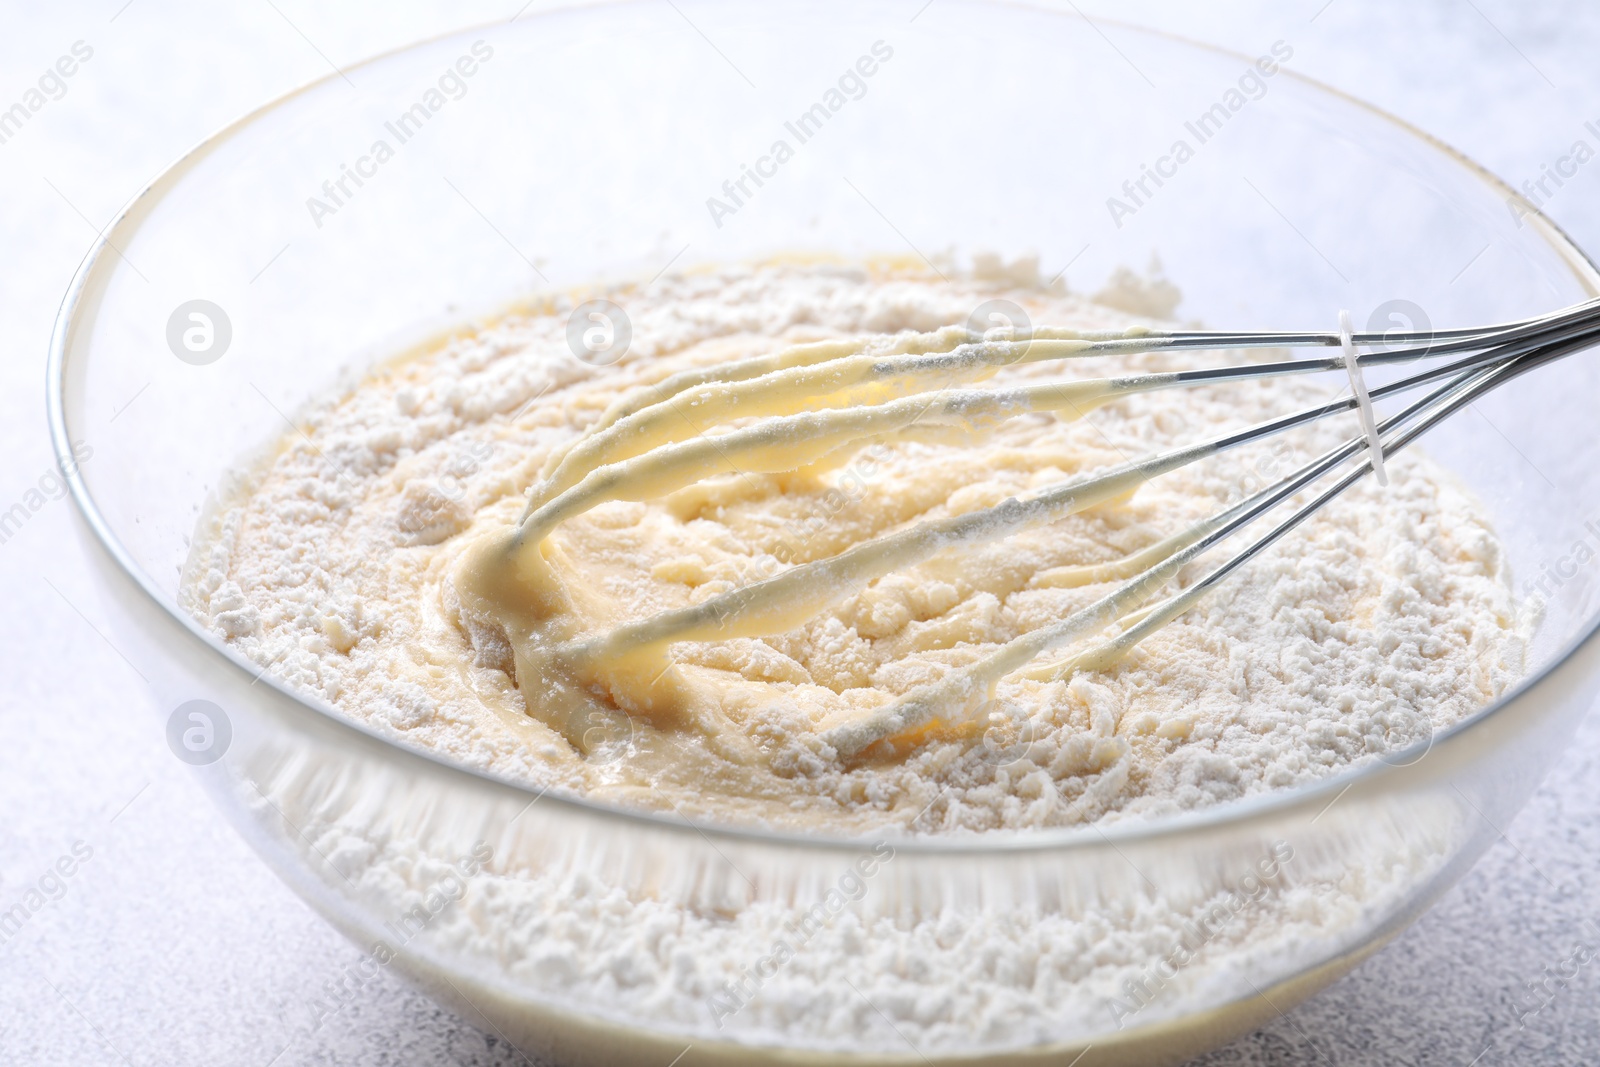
x: 172, y: 945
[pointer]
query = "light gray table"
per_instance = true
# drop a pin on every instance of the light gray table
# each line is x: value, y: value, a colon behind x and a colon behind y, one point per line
x: 172, y: 945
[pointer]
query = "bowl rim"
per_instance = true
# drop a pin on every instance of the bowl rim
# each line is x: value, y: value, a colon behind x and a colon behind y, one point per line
x: 1234, y: 813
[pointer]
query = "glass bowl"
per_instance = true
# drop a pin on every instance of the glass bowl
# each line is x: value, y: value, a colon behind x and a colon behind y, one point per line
x: 589, y: 144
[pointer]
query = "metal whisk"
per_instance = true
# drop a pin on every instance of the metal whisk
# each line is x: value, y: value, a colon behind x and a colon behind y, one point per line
x: 816, y: 403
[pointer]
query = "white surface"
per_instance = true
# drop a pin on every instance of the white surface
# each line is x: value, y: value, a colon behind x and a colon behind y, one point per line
x: 173, y: 945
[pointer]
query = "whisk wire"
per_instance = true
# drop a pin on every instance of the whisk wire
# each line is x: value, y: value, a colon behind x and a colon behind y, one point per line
x: 815, y: 403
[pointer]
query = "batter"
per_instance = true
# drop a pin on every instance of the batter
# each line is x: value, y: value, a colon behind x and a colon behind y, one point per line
x: 411, y: 559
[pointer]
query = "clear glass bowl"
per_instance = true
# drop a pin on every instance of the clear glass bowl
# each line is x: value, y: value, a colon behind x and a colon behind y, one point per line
x: 584, y: 145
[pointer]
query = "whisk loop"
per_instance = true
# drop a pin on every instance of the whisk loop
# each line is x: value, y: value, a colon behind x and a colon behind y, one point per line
x: 1358, y: 387
x: 813, y: 405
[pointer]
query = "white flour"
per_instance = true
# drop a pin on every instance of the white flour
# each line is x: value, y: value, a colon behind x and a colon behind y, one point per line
x: 1386, y: 617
